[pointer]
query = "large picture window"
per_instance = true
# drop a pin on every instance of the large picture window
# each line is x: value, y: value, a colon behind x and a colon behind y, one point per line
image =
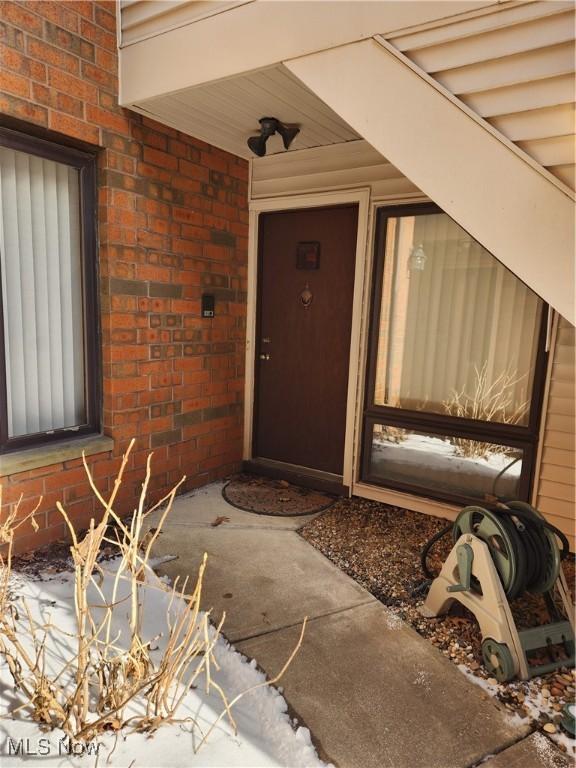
x: 48, y: 348
x: 456, y: 353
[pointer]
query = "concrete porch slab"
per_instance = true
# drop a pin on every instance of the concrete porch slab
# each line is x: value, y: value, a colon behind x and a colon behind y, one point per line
x: 204, y: 505
x: 263, y: 579
x: 376, y: 695
x: 534, y: 752
x: 373, y: 693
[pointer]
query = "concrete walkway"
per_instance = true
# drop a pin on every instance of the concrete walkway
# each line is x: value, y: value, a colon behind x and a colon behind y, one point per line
x: 372, y: 691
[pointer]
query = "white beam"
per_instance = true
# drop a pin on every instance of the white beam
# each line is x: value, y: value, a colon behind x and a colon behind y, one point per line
x: 261, y: 34
x: 496, y: 194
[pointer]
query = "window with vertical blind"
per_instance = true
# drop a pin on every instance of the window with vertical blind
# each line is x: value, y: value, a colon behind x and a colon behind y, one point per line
x: 455, y: 367
x: 49, y: 366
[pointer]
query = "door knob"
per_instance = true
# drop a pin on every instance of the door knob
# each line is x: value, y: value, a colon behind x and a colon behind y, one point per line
x: 264, y: 357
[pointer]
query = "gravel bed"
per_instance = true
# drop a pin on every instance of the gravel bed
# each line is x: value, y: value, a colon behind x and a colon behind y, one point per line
x: 379, y: 547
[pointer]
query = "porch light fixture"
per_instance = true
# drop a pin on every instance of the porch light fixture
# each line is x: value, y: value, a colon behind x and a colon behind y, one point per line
x: 268, y: 127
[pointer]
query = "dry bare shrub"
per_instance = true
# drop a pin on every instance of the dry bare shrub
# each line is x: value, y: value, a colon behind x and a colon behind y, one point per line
x: 90, y: 692
x: 491, y: 400
x: 8, y: 528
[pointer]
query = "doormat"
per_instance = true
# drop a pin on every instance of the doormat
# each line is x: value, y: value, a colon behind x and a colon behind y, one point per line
x: 265, y: 496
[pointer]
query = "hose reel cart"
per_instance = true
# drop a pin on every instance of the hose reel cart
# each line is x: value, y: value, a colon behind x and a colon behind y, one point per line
x: 500, y: 551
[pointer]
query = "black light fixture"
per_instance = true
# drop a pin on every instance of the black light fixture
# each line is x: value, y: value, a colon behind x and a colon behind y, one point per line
x: 268, y: 127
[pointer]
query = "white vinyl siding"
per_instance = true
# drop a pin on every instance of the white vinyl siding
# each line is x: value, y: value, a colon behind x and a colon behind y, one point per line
x: 322, y: 169
x: 555, y: 487
x: 140, y: 19
x: 40, y: 252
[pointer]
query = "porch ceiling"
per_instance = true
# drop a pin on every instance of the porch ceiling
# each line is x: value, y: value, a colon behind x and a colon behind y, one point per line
x: 226, y: 113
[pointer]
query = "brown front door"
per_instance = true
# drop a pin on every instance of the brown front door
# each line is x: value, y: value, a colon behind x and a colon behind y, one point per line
x: 306, y: 285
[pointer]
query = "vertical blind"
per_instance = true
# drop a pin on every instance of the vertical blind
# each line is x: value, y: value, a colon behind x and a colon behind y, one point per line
x: 454, y: 322
x: 41, y: 270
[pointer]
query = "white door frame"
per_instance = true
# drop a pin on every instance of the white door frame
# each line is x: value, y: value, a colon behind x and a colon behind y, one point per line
x: 361, y: 197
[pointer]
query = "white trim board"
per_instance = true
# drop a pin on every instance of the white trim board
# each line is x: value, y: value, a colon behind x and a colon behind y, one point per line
x: 407, y: 501
x: 551, y: 349
x: 361, y: 197
x: 256, y: 35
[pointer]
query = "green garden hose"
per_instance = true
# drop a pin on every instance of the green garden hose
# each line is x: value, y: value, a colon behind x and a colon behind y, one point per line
x: 522, y: 544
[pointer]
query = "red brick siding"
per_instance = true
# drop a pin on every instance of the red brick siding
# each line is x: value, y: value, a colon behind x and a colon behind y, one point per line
x: 173, y: 222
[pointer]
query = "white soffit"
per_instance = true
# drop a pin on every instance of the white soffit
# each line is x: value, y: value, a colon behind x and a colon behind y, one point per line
x: 514, y: 66
x: 503, y: 200
x: 226, y: 113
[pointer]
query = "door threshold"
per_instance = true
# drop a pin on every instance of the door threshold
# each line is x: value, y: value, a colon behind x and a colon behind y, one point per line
x: 293, y: 473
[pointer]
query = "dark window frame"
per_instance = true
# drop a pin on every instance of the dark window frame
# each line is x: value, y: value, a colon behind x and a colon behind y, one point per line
x: 85, y: 162
x: 513, y: 435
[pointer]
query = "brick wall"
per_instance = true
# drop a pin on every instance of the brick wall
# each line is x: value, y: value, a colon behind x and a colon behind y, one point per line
x: 172, y: 219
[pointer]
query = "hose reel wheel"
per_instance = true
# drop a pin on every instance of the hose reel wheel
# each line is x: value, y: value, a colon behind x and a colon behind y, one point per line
x: 498, y: 660
x: 493, y: 531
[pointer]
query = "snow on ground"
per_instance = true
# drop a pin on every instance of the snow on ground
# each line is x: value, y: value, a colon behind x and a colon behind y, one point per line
x: 534, y: 703
x: 266, y: 735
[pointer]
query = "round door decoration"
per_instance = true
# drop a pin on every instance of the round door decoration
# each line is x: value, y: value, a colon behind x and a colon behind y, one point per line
x: 306, y: 297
